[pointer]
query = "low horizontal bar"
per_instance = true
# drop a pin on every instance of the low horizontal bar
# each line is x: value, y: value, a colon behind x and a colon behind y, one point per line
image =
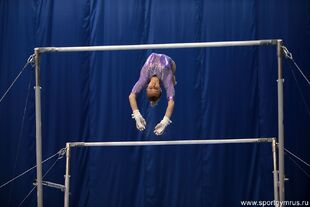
x: 174, y: 142
x: 157, y: 46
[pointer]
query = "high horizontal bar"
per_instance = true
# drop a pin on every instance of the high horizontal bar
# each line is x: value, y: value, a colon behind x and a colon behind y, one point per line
x: 157, y: 46
x: 173, y: 142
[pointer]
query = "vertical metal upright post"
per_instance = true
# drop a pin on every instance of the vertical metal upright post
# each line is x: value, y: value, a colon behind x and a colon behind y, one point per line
x: 275, y: 172
x: 280, y: 122
x: 67, y: 176
x: 38, y: 128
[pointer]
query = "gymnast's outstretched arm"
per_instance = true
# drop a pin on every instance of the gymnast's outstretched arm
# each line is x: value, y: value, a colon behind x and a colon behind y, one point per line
x: 133, y: 102
x: 169, y: 109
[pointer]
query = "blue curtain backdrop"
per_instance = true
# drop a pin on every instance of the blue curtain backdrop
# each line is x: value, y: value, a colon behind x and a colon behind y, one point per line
x: 221, y: 93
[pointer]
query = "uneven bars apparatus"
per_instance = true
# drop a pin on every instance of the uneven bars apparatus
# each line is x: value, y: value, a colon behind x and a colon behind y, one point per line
x: 277, y: 42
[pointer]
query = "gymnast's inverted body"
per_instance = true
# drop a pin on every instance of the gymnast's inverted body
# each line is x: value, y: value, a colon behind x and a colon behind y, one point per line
x: 159, y: 69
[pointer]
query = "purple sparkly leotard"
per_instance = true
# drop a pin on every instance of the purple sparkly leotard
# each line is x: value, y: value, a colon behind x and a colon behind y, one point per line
x: 159, y: 65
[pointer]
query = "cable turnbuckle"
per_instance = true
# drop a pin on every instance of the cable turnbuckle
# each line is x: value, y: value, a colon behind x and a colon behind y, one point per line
x: 61, y: 153
x: 31, y: 60
x: 287, y: 53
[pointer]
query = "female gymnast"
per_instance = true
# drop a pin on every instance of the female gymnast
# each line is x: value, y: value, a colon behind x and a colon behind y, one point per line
x: 159, y: 69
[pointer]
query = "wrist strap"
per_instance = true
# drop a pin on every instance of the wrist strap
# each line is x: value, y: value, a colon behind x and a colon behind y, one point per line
x: 166, y: 120
x: 135, y: 114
